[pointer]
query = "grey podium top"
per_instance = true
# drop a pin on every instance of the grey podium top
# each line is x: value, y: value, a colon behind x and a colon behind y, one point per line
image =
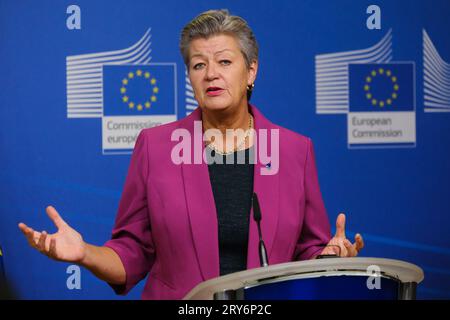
x: 402, y: 271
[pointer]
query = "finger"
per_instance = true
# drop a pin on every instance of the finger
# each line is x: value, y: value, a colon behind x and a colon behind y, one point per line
x: 359, y: 242
x: 335, y: 249
x: 328, y: 251
x: 331, y: 249
x: 27, y: 231
x: 32, y: 236
x: 35, y: 235
x: 52, y: 250
x: 351, y: 249
x: 23, y: 227
x: 340, y: 226
x: 41, y: 243
x: 55, y: 217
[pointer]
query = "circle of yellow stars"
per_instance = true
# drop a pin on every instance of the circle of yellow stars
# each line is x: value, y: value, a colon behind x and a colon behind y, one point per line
x: 126, y: 99
x: 394, y: 94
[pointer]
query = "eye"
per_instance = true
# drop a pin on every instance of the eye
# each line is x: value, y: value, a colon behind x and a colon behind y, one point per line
x: 197, y: 66
x: 225, y: 62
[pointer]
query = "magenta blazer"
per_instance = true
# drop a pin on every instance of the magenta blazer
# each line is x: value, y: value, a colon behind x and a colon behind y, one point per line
x: 166, y: 225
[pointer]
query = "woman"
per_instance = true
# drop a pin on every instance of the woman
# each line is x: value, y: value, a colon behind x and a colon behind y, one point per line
x: 185, y: 223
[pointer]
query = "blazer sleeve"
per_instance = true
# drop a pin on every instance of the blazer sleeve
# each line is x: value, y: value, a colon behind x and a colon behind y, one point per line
x: 315, y: 233
x: 131, y: 236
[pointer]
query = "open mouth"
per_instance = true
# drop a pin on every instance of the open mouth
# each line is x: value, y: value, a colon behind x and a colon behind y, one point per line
x: 213, y: 89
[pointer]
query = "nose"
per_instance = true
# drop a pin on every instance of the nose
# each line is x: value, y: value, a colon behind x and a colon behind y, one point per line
x: 211, y: 72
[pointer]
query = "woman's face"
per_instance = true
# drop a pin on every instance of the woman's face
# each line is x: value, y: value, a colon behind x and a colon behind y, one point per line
x: 218, y: 73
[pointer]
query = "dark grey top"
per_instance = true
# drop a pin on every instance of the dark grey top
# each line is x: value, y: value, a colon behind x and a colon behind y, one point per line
x: 232, y: 186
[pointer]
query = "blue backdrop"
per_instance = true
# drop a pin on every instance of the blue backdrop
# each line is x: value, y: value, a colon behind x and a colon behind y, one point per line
x: 52, y: 137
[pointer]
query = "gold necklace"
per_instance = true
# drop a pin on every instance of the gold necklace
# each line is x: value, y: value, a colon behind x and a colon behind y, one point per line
x: 247, y: 134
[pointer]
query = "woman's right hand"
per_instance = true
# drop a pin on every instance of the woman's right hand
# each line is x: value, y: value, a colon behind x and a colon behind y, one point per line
x: 64, y: 245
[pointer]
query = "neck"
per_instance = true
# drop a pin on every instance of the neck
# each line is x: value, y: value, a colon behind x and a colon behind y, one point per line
x: 226, y: 119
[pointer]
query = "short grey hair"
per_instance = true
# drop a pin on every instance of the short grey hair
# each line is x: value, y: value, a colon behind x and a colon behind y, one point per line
x: 215, y: 22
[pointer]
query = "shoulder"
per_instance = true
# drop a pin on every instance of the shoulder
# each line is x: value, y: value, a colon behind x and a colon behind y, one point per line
x: 295, y: 148
x: 293, y: 139
x: 288, y: 138
x: 291, y: 143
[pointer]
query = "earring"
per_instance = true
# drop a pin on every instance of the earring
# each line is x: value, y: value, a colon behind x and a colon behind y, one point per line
x: 250, y: 87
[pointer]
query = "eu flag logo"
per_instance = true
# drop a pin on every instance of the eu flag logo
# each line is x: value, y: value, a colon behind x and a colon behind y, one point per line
x: 381, y: 87
x: 134, y: 90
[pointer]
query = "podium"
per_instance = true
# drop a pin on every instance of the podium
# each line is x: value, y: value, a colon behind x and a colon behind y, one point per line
x: 320, y: 279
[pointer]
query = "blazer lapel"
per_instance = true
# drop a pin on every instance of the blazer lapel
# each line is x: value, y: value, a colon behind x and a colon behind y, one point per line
x: 201, y: 207
x: 267, y: 189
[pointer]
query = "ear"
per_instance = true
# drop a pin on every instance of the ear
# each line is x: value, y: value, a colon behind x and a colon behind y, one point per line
x: 252, y: 71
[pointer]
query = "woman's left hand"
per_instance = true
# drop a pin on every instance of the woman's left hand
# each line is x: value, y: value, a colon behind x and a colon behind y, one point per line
x: 340, y: 245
